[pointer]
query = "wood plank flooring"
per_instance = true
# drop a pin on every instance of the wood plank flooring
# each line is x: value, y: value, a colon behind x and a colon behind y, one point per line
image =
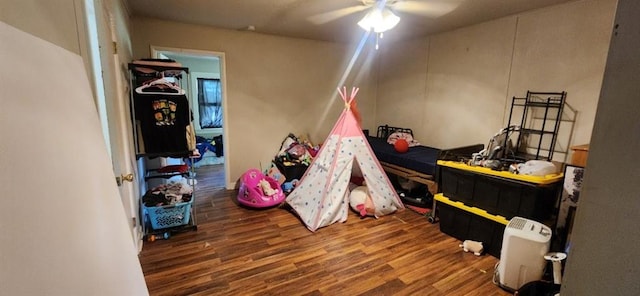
x: 240, y: 251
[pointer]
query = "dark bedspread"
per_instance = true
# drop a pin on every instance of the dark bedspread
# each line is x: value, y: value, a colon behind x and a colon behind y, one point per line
x: 419, y: 158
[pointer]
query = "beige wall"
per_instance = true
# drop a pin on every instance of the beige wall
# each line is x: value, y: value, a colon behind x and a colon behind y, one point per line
x: 462, y: 81
x: 564, y: 48
x: 275, y: 85
x: 401, y: 84
x: 59, y: 22
x: 54, y: 21
x: 466, y: 81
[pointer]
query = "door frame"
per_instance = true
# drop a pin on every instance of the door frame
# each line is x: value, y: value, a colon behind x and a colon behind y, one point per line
x: 155, y: 52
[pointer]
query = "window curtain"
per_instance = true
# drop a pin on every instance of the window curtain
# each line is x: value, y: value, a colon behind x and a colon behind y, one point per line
x: 209, y: 103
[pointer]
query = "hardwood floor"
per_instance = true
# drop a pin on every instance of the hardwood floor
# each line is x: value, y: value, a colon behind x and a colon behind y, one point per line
x: 240, y: 251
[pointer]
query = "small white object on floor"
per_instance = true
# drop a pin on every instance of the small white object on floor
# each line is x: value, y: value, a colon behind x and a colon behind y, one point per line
x: 472, y: 246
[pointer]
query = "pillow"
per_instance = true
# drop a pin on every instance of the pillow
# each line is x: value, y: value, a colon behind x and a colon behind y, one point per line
x: 400, y: 135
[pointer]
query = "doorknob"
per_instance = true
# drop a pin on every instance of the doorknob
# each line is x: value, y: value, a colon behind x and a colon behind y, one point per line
x: 127, y: 177
x: 121, y: 178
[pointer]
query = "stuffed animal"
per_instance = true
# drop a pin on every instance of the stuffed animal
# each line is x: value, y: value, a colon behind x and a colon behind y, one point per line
x: 361, y: 202
x: 472, y: 246
x: 289, y: 186
x: 266, y: 188
x: 535, y: 168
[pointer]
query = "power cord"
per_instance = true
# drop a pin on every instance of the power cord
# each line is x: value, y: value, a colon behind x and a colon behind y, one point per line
x: 496, y: 274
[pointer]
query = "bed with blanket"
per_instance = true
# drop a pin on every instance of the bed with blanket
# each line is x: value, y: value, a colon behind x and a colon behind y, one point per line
x: 419, y: 162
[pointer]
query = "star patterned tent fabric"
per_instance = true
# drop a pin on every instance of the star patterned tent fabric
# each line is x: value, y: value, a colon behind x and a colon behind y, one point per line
x: 322, y: 196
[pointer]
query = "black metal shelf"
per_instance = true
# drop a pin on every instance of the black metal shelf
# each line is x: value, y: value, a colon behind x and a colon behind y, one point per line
x: 139, y: 74
x: 158, y: 68
x: 535, y: 131
x: 154, y: 174
x: 550, y: 104
x: 538, y: 104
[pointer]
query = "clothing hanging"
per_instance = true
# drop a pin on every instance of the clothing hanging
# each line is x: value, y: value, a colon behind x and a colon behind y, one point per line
x: 161, y: 109
x: 164, y: 119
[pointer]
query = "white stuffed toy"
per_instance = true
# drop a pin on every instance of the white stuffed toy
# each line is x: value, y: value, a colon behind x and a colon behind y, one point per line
x: 536, y: 168
x: 472, y: 246
x: 266, y: 188
x: 361, y: 202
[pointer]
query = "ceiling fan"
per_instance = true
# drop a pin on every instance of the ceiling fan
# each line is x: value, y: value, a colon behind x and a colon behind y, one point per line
x: 381, y: 14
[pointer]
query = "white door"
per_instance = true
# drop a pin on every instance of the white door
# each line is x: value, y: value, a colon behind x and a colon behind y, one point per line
x: 116, y: 111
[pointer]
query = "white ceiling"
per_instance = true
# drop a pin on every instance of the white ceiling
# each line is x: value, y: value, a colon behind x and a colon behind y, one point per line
x: 295, y: 18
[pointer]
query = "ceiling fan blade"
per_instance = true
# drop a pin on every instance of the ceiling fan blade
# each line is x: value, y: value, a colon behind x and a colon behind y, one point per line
x: 430, y: 8
x: 326, y: 17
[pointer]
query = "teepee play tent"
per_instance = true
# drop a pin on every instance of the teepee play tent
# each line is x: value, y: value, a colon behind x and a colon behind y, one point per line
x: 322, y: 196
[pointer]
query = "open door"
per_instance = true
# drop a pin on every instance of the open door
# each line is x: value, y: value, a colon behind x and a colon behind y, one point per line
x: 112, y: 97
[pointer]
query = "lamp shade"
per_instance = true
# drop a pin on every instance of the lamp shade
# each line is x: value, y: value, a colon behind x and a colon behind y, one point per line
x: 379, y: 20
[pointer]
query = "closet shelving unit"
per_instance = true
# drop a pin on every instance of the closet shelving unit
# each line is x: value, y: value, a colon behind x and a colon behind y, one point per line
x: 538, y: 125
x: 138, y: 78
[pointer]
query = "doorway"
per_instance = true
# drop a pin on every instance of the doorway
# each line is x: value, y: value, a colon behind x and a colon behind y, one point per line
x: 206, y: 90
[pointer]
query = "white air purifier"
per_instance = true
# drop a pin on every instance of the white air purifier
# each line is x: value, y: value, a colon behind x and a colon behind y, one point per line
x: 524, y: 244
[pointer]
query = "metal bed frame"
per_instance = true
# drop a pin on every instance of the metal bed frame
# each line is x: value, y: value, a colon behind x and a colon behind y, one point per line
x: 429, y: 180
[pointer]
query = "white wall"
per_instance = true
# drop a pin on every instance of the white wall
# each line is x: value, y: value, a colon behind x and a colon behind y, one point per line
x: 462, y: 81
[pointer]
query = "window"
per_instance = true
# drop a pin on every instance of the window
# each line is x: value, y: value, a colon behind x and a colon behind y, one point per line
x: 209, y: 103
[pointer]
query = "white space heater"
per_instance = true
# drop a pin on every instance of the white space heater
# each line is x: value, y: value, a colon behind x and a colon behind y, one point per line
x: 524, y: 244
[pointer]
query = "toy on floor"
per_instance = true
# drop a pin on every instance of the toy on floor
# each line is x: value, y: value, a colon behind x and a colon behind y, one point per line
x: 289, y: 186
x: 472, y: 246
x: 259, y: 191
x: 266, y: 188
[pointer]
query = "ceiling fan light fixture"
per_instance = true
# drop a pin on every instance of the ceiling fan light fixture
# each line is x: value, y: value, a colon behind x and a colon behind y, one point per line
x: 379, y: 20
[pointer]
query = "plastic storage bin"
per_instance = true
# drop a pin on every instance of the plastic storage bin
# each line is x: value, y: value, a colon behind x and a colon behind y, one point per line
x: 500, y: 192
x: 456, y: 184
x: 169, y: 216
x: 464, y: 222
